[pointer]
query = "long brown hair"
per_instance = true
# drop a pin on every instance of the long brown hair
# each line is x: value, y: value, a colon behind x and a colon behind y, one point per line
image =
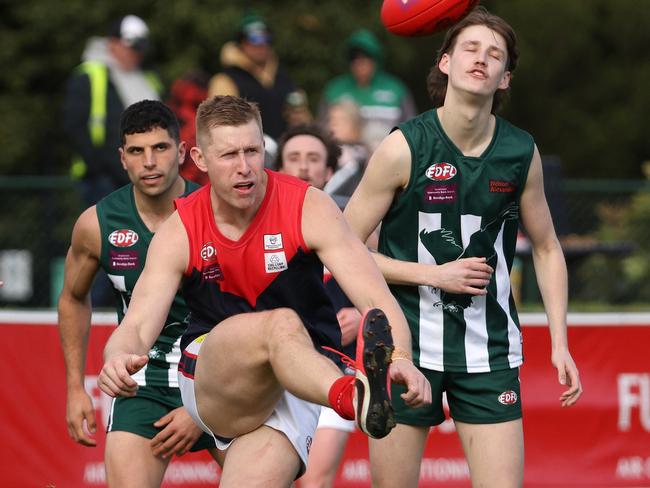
x: 437, y: 80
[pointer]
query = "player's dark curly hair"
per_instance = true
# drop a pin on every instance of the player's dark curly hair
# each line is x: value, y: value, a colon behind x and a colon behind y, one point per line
x: 437, y: 80
x: 146, y: 115
x: 332, y: 146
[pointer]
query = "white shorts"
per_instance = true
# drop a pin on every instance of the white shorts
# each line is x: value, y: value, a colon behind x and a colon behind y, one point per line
x: 329, y: 419
x: 295, y: 418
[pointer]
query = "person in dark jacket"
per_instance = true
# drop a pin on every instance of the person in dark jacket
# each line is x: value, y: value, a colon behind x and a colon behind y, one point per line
x: 108, y: 80
x: 251, y: 70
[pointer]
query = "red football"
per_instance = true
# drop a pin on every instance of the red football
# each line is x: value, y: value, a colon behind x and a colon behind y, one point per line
x: 422, y: 17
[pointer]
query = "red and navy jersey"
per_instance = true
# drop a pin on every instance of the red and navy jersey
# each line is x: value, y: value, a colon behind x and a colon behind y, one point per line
x: 269, y: 267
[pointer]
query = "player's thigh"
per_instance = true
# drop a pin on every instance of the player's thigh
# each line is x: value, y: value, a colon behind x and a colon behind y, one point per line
x: 486, y: 408
x: 395, y: 460
x: 494, y: 453
x: 234, y: 383
x: 130, y: 462
x: 277, y: 463
x: 236, y: 352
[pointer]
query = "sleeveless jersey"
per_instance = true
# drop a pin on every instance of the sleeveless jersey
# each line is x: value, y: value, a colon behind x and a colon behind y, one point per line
x: 125, y: 240
x: 269, y: 267
x: 455, y: 207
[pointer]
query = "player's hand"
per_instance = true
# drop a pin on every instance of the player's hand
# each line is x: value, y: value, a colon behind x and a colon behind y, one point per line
x: 418, y: 391
x: 567, y: 374
x: 80, y: 417
x: 178, y: 434
x: 349, y: 319
x: 468, y: 275
x: 115, y: 377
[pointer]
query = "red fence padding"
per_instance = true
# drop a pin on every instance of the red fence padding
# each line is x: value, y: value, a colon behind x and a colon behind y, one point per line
x: 604, y: 441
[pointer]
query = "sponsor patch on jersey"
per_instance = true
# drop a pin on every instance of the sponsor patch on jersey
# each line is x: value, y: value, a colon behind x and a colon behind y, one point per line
x: 440, y: 193
x: 441, y: 171
x: 497, y: 186
x: 308, y: 443
x: 123, y: 259
x: 123, y: 238
x: 208, y: 252
x: 272, y: 242
x: 508, y: 398
x: 275, y: 262
x: 212, y: 272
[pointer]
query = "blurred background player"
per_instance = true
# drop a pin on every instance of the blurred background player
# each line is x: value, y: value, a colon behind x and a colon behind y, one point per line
x: 311, y: 153
x: 151, y: 427
x: 383, y: 99
x: 450, y: 209
x: 345, y: 122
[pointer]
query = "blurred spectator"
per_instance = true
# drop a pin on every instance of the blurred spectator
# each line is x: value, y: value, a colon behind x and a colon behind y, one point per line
x: 296, y: 110
x: 383, y: 99
x: 250, y: 69
x: 186, y: 94
x: 345, y: 122
x: 109, y: 79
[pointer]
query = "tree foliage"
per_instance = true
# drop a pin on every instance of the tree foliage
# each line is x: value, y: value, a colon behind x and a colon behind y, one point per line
x: 581, y: 87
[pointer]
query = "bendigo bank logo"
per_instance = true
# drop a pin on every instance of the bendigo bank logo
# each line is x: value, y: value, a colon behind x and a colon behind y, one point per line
x: 123, y: 238
x: 441, y: 171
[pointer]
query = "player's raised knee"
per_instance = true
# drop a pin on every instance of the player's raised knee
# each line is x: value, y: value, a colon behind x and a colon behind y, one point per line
x: 284, y: 321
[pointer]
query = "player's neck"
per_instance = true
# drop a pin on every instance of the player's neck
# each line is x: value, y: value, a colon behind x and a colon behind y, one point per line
x: 154, y: 210
x: 470, y: 127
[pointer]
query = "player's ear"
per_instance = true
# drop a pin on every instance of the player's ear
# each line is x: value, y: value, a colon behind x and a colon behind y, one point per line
x: 443, y: 64
x: 198, y: 158
x: 122, y: 157
x: 505, y: 81
x: 182, y: 149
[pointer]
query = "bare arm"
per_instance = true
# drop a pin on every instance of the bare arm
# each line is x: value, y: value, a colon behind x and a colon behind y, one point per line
x: 125, y: 351
x: 388, y: 173
x: 327, y: 233
x: 551, y: 272
x: 81, y: 266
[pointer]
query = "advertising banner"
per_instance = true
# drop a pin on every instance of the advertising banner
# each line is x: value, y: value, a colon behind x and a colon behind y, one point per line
x: 603, y: 441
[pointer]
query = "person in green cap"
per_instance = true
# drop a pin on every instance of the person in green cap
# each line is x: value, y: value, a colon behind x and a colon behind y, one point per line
x: 383, y: 99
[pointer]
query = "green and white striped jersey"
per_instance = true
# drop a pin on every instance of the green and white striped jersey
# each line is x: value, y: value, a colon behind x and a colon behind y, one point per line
x: 125, y: 240
x: 456, y: 207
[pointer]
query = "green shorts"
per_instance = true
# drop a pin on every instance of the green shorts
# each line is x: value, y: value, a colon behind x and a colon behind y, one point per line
x: 473, y: 398
x: 137, y: 414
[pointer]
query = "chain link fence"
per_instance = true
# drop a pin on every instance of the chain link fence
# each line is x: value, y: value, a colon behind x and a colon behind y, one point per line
x: 603, y: 226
